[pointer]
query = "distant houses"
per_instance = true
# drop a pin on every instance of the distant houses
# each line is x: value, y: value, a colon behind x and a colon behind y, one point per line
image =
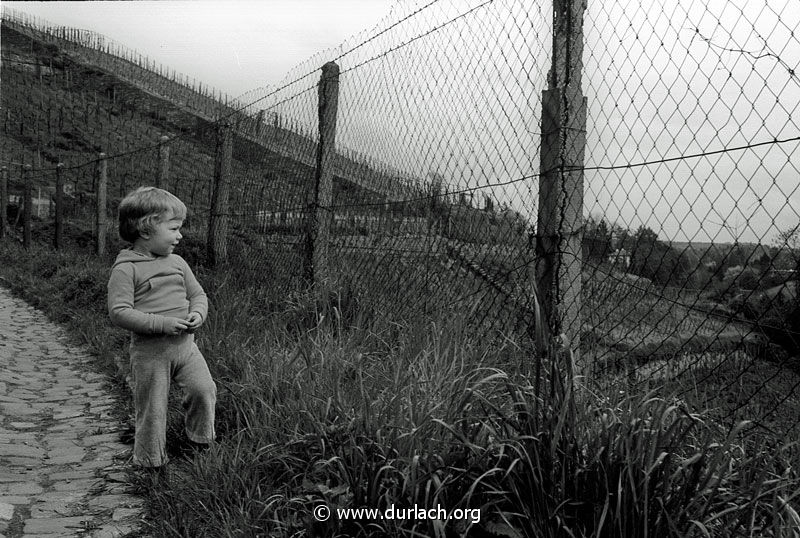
x: 620, y: 258
x: 43, y: 203
x: 788, y: 274
x: 349, y: 222
x: 41, y: 206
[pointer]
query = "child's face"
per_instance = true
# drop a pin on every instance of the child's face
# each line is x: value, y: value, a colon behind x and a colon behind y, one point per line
x: 161, y: 241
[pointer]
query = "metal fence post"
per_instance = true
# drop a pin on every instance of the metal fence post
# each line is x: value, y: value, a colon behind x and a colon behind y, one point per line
x: 101, y: 220
x: 28, y: 206
x: 559, y: 222
x: 319, y: 219
x: 217, y: 242
x: 59, y: 232
x: 162, y: 176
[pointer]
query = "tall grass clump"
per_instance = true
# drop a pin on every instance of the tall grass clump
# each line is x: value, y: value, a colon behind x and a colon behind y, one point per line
x: 323, y: 411
x: 328, y: 401
x: 642, y: 466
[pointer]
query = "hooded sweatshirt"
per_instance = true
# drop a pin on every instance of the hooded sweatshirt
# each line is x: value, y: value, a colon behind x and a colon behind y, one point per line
x: 143, y: 290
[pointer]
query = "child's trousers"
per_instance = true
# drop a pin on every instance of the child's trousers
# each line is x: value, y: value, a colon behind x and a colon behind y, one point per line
x: 155, y: 362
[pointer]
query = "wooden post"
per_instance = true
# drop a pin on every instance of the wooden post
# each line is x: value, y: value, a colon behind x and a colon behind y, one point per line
x: 101, y: 220
x: 27, y: 214
x: 217, y: 243
x: 319, y: 219
x: 3, y: 202
x: 162, y: 177
x: 259, y: 122
x: 559, y: 223
x: 59, y: 234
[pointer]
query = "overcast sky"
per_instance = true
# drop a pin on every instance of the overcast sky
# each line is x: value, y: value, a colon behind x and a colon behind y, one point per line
x: 462, y: 95
x: 233, y: 45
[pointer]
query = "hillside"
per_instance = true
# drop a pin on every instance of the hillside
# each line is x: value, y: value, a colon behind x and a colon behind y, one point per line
x: 405, y: 264
x: 274, y: 132
x: 723, y: 253
x: 418, y: 367
x: 58, y: 109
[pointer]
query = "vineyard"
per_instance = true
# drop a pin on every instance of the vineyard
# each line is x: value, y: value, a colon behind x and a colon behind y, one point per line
x: 72, y: 111
x: 429, y: 313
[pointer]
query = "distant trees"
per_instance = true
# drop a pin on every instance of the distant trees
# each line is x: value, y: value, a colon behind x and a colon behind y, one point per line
x: 597, y: 240
x: 737, y: 256
x: 764, y: 262
x: 789, y: 238
x: 743, y: 278
x: 658, y: 261
x: 775, y: 303
x: 436, y: 194
x: 647, y: 256
x: 787, y: 245
x: 488, y: 203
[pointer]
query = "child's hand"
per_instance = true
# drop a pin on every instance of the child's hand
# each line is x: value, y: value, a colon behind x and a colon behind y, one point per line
x: 175, y: 326
x: 194, y: 320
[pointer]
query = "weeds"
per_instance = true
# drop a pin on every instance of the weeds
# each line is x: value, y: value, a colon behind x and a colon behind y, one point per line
x: 330, y: 402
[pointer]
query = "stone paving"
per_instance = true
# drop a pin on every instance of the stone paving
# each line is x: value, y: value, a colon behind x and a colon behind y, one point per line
x: 62, y: 467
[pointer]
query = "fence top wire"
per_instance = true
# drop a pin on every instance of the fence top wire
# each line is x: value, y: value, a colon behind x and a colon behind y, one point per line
x: 441, y: 66
x: 307, y: 69
x: 565, y: 169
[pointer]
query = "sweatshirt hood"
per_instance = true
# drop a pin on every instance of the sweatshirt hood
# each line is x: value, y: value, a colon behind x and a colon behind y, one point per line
x: 130, y: 255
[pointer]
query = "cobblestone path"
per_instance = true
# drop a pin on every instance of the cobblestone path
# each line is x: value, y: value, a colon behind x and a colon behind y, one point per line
x: 61, y: 462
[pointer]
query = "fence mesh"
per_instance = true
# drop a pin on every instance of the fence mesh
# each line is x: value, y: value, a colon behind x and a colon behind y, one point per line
x: 690, y: 212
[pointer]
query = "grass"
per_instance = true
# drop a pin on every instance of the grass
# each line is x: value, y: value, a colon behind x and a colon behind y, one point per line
x: 329, y: 402
x: 378, y: 396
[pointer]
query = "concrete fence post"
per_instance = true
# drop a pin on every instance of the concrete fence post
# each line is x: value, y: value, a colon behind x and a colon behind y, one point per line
x: 3, y: 202
x: 27, y: 200
x: 58, y: 240
x: 217, y: 241
x: 560, y: 217
x: 320, y: 215
x: 259, y: 123
x: 101, y: 220
x: 162, y: 176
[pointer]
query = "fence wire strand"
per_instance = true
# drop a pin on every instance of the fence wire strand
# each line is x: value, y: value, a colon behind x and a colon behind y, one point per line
x: 689, y: 239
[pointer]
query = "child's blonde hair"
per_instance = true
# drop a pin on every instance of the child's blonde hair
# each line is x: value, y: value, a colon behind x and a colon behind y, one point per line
x: 142, y: 209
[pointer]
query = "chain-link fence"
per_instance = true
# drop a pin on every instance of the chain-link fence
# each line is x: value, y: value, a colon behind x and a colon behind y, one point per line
x: 686, y: 230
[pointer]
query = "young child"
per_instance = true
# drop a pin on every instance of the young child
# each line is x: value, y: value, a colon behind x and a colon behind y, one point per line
x: 154, y: 294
